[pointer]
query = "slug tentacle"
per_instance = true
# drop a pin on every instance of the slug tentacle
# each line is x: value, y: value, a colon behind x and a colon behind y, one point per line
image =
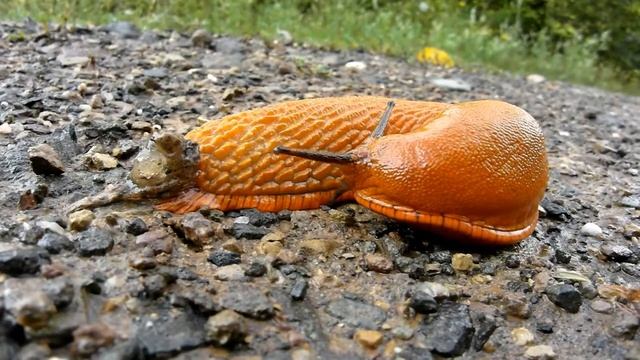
x: 384, y: 121
x: 318, y: 155
x: 339, y: 158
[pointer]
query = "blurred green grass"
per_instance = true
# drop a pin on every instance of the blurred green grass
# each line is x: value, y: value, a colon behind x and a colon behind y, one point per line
x: 398, y: 28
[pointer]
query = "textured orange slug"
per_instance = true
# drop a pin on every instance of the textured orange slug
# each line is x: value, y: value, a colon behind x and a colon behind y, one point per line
x: 475, y: 170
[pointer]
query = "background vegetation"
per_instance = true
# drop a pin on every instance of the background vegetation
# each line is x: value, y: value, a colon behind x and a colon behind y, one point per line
x: 589, y: 42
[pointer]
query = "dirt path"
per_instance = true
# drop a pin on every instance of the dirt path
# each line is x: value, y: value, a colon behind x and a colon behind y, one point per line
x: 127, y: 282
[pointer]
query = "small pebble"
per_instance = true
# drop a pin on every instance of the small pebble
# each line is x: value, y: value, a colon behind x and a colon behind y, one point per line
x: 88, y: 339
x: 94, y: 241
x: 154, y: 285
x: 45, y: 160
x: 80, y: 220
x: 55, y: 243
x: 136, y: 227
x: 565, y: 296
x: 423, y: 303
x: 226, y: 328
x: 378, y: 263
x: 522, y: 336
x: 618, y: 253
x: 96, y: 102
x: 562, y: 257
x: 299, y: 289
x: 233, y: 272
x: 224, y: 258
x: 256, y: 269
x: 142, y: 263
x: 201, y: 38
x: 516, y: 305
x: 101, y: 161
x: 368, y: 338
x: 319, y: 246
x: 23, y: 261
x: 433, y: 289
x: 247, y: 231
x: 403, y: 332
x: 159, y: 241
x: 355, y: 65
x: 5, y: 129
x: 545, y: 326
x: 197, y: 229
x: 540, y: 352
x: 462, y: 262
x: 602, y: 306
x: 591, y: 229
x: 512, y: 261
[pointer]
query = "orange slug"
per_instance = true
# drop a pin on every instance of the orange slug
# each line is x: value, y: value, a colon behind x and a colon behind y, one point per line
x: 474, y: 171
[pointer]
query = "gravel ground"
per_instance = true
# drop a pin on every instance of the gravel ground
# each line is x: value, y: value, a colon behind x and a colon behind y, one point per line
x: 126, y: 282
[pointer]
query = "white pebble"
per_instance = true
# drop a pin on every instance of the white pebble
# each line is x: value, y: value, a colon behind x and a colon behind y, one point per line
x: 591, y: 229
x: 355, y: 65
x: 522, y: 336
x: 540, y: 352
x: 241, y: 220
x: 535, y: 78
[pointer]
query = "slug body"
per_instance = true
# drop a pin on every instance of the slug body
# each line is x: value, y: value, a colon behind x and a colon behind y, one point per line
x: 474, y: 171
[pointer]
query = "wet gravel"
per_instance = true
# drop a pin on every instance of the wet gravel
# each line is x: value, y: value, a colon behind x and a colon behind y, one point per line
x: 127, y: 282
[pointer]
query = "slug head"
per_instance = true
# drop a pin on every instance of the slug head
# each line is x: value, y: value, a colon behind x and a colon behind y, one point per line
x: 167, y: 165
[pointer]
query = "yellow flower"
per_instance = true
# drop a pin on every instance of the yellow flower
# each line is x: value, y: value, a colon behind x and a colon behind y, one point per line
x: 435, y: 56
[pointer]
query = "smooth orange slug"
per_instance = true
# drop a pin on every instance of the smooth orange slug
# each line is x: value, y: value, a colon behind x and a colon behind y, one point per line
x: 474, y: 171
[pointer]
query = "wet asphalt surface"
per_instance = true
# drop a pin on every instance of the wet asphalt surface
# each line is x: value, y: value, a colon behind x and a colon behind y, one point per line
x: 127, y: 282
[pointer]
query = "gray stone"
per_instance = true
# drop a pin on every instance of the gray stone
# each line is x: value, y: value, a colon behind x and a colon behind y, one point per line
x: 247, y: 231
x: 248, y: 301
x: 136, y: 227
x: 23, y: 261
x: 423, y: 303
x: 156, y: 72
x: 618, y: 253
x: 450, y: 331
x: 299, y: 289
x: 55, y: 243
x: 565, y: 296
x: 357, y: 314
x: 200, y: 301
x: 94, y: 242
x: 485, y: 324
x: 170, y: 334
x: 602, y: 306
x: 631, y: 201
x: 123, y: 29
x: 256, y: 269
x: 223, y: 258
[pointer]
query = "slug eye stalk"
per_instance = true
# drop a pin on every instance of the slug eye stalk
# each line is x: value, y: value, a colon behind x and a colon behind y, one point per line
x: 338, y: 158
